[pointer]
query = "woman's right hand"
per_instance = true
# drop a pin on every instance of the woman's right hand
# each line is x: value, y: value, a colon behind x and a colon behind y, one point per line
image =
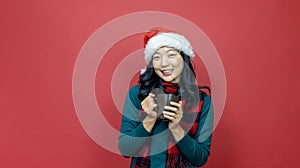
x: 148, y: 105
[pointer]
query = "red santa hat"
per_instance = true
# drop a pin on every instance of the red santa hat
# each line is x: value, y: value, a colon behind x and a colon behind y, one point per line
x: 160, y: 37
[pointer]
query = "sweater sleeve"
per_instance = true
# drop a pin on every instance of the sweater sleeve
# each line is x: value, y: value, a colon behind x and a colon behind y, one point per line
x: 197, y: 149
x: 133, y: 135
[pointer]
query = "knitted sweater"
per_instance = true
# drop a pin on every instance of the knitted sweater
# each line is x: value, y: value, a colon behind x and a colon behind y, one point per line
x: 133, y: 136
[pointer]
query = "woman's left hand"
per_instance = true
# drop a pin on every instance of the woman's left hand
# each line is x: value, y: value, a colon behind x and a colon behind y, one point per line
x: 174, y: 114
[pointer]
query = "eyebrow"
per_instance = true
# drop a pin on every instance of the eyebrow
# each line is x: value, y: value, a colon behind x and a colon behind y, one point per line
x: 171, y: 49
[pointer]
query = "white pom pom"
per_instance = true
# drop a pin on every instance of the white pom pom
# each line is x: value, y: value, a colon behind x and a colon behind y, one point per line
x: 142, y: 71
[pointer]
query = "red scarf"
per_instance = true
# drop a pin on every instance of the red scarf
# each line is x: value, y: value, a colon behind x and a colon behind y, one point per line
x: 170, y: 87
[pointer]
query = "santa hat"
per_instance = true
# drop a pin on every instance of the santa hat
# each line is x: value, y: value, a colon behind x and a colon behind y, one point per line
x: 160, y: 37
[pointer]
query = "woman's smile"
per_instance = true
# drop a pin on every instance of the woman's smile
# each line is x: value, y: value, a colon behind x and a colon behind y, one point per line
x: 167, y: 72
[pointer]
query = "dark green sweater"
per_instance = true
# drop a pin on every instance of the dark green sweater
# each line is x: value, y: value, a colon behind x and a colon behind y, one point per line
x: 133, y: 135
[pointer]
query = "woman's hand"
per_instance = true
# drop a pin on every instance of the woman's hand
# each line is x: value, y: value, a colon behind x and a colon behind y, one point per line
x: 174, y: 114
x: 148, y: 105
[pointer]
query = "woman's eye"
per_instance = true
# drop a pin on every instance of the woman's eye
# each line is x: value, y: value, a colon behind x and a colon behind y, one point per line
x: 155, y: 57
x: 172, y: 55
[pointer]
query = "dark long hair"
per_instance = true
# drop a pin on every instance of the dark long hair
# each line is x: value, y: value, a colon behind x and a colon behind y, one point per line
x: 189, y: 91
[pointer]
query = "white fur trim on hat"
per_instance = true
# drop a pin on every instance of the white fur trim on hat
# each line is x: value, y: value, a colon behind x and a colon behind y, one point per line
x: 174, y: 40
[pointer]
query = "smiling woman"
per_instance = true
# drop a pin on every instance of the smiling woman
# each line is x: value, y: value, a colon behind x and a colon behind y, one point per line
x: 180, y: 135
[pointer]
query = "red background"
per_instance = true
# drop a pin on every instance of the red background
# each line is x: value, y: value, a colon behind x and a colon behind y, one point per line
x: 258, y: 42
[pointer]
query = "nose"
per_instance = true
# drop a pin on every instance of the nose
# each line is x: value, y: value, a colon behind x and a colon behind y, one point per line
x: 164, y: 61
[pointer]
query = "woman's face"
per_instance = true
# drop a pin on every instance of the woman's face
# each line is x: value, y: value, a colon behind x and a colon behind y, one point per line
x: 168, y: 64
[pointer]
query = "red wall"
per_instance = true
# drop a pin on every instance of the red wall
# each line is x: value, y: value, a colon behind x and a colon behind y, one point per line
x: 258, y: 42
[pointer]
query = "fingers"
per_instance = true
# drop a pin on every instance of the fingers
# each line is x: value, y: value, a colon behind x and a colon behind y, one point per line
x: 174, y: 112
x: 171, y: 116
x: 151, y: 95
x: 148, y: 99
x: 152, y: 114
x: 148, y: 105
x: 176, y: 107
x: 170, y: 108
x: 154, y: 105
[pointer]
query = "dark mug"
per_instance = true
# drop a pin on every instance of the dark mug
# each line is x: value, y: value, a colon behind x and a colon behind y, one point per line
x: 163, y: 100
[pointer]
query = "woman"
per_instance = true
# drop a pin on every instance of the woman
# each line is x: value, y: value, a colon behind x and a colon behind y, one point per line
x: 181, y: 135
